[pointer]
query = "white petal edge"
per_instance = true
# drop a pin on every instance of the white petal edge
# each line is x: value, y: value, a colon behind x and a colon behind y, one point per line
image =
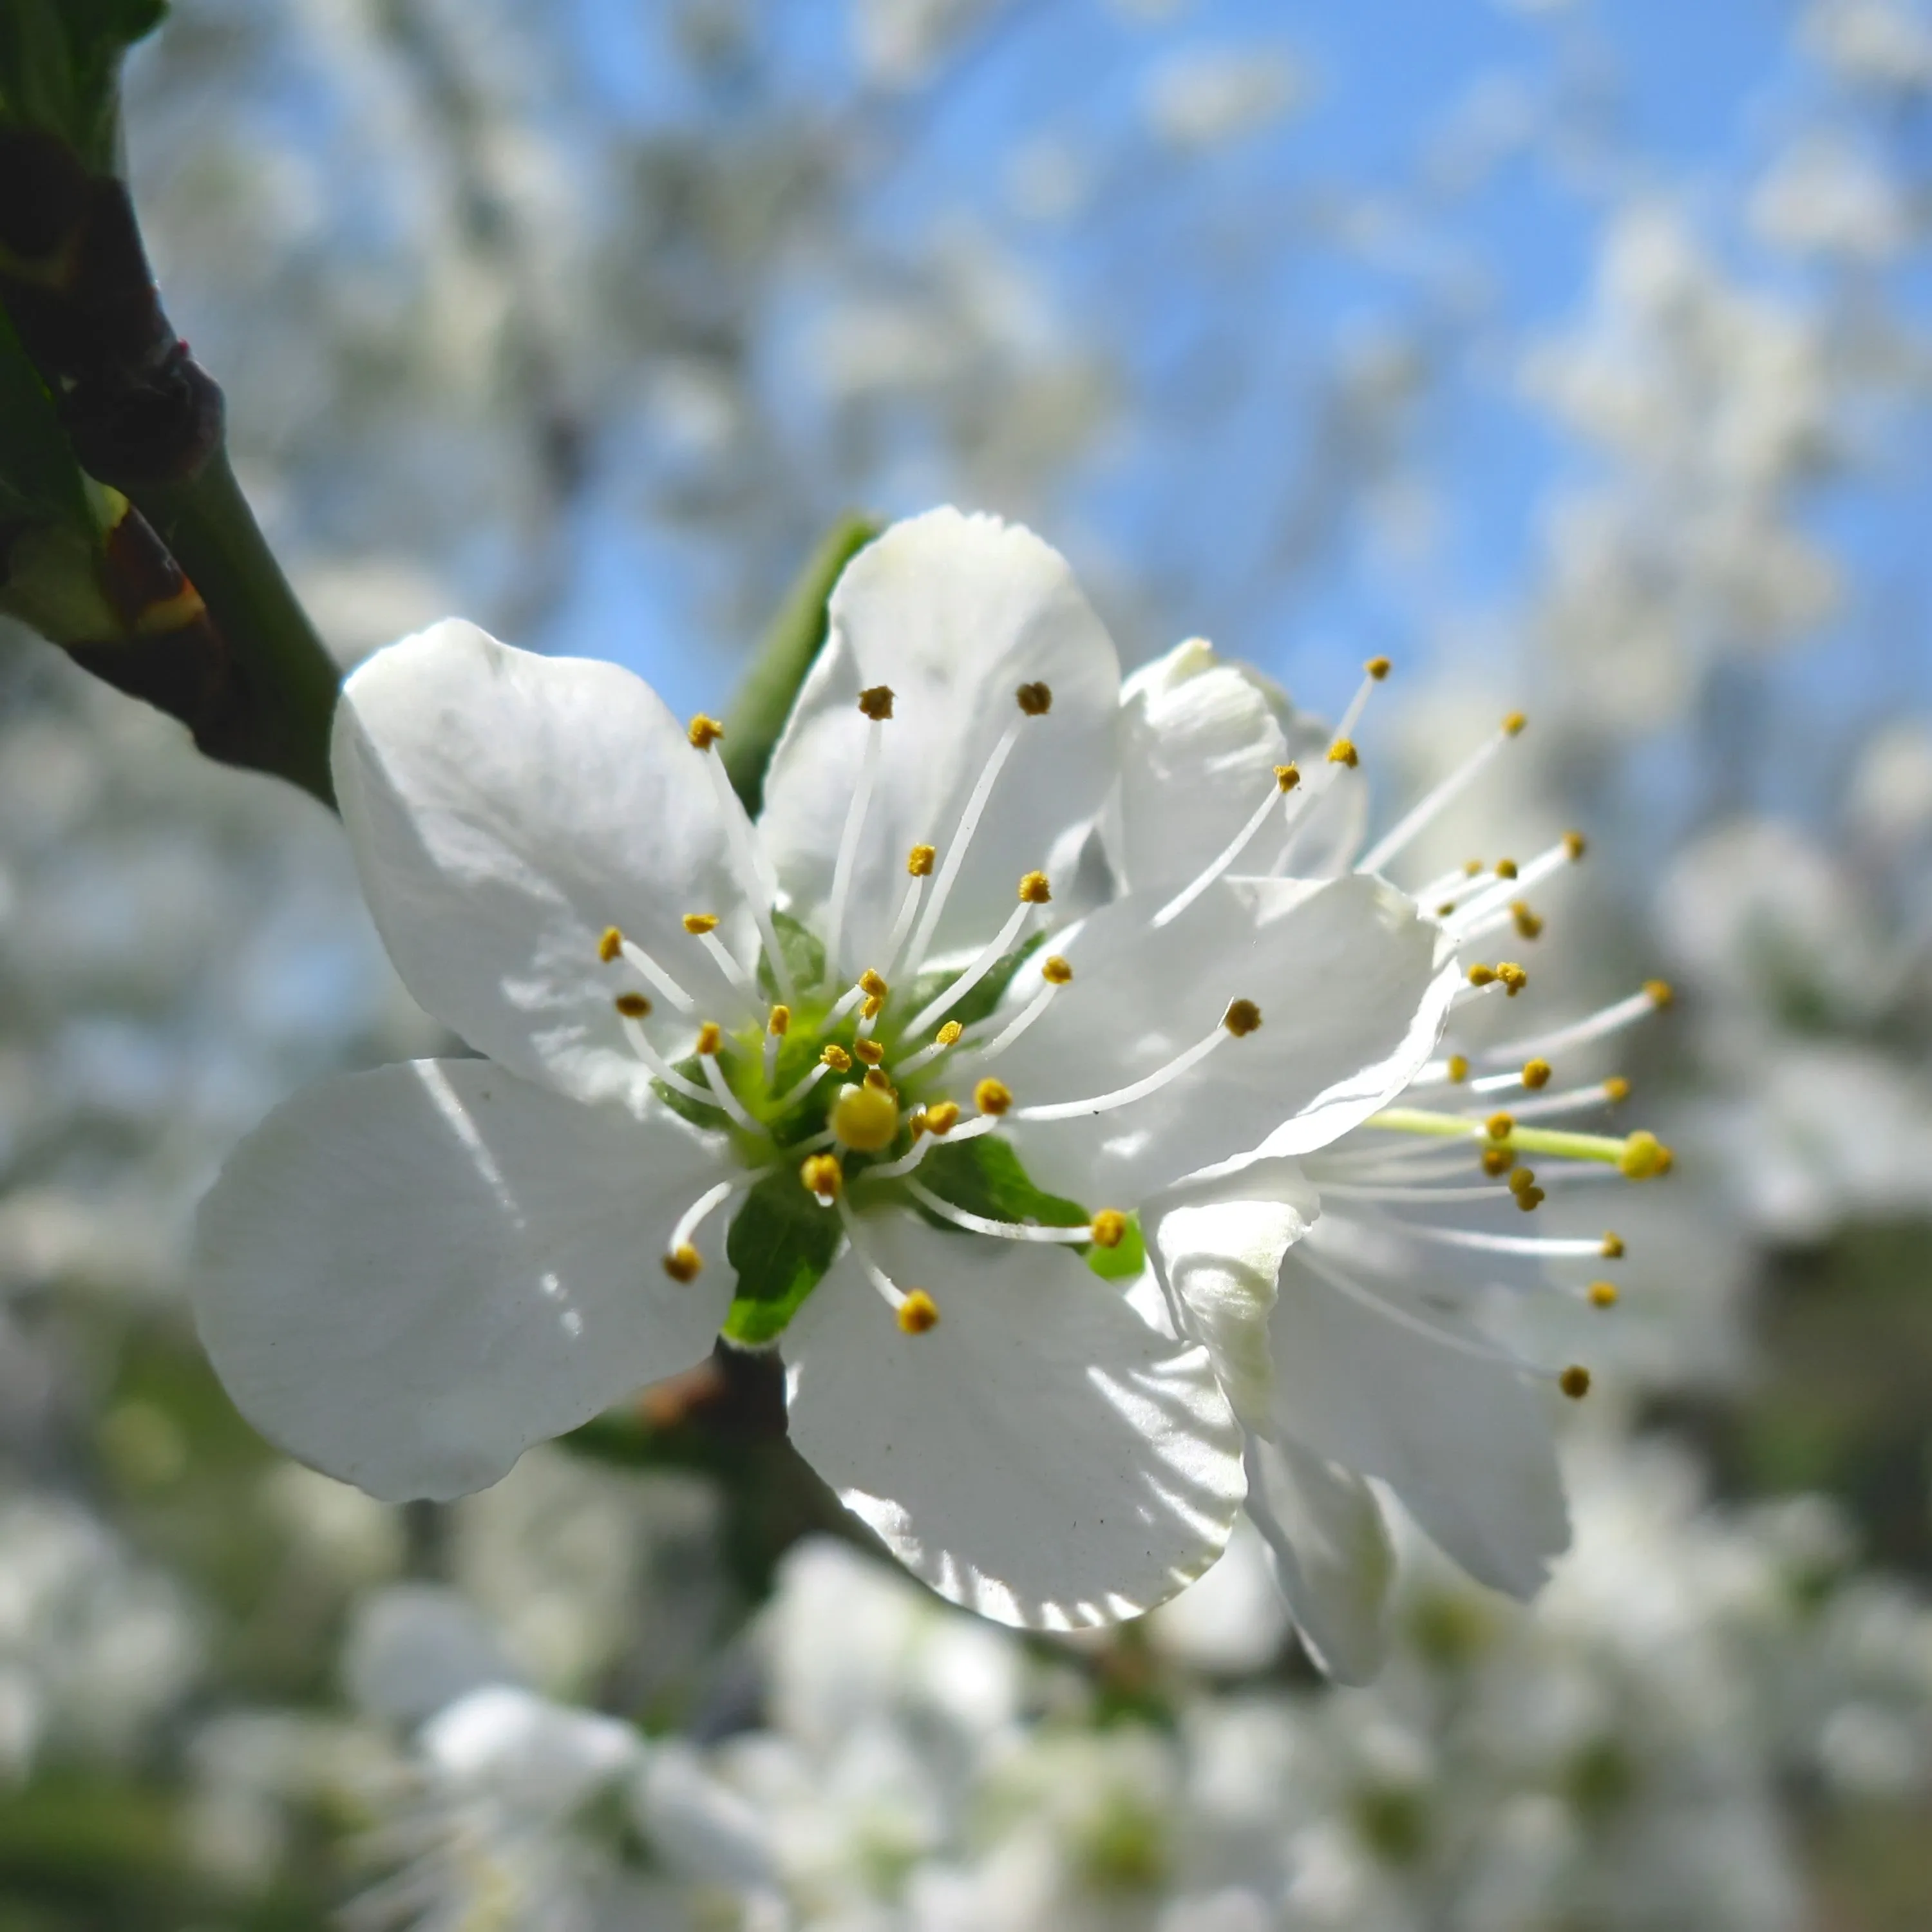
x: 1329, y: 1547
x: 405, y: 1278
x: 954, y: 612
x: 1465, y: 1443
x: 1043, y: 1456
x: 505, y: 809
x: 1352, y: 1002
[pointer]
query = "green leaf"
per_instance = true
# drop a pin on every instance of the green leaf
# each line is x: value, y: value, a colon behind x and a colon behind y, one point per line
x: 984, y: 1177
x: 791, y: 642
x: 802, y: 954
x: 1125, y: 1260
x: 781, y: 1244
x: 984, y: 997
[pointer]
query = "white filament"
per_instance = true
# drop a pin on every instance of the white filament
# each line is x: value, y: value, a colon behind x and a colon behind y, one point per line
x: 1125, y: 1097
x: 956, y: 853
x: 721, y: 1089
x: 1242, y: 840
x: 1030, y: 1012
x: 1432, y: 802
x: 989, y: 955
x: 1007, y: 1231
x: 848, y: 848
x: 637, y: 958
x: 1612, y: 1018
x: 661, y: 1069
x: 754, y: 878
x: 894, y: 1295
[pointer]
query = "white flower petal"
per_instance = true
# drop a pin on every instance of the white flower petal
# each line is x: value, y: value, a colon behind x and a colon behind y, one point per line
x: 1351, y: 1003
x: 1200, y: 738
x: 954, y: 613
x: 1042, y: 1456
x: 505, y: 809
x: 1330, y: 1549
x: 1464, y: 1441
x: 1217, y: 1248
x: 407, y: 1277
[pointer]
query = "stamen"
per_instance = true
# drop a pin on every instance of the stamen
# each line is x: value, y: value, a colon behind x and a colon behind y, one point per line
x: 798, y: 1090
x: 1549, y: 1246
x: 870, y: 1051
x: 693, y: 1218
x: 1611, y: 1019
x: 835, y: 1057
x: 1110, y: 1228
x: 1574, y: 1100
x: 1613, y: 1247
x: 947, y: 1036
x: 1639, y: 1155
x: 1574, y: 1382
x: 683, y: 1263
x: 941, y: 1117
x: 755, y: 878
x: 916, y: 1311
x: 988, y: 956
x: 1343, y: 752
x: 741, y: 980
x: 1007, y: 1231
x: 704, y: 733
x: 823, y: 1177
x: 1603, y: 1294
x: 1414, y: 821
x: 632, y: 1006
x: 611, y: 945
x: 892, y: 1170
x: 714, y: 1076
x: 1242, y: 1017
x: 1286, y: 778
x: 876, y: 702
x: 661, y: 1069
x: 848, y: 845
x: 994, y: 1097
x: 1502, y: 904
x: 969, y: 822
x: 641, y: 961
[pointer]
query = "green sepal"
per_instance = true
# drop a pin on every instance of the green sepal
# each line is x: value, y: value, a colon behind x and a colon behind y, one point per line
x: 1124, y: 1260
x: 977, y: 1004
x: 60, y: 68
x: 803, y: 955
x: 781, y: 1242
x: 984, y: 1177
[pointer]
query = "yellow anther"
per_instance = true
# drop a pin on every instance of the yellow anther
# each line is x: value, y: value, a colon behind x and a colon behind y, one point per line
x: 837, y: 1058
x: 610, y: 945
x: 1536, y: 1074
x: 1660, y: 991
x: 632, y: 1006
x: 1443, y: 909
x: 1514, y: 977
x: 876, y: 702
x: 1574, y: 1382
x: 874, y: 984
x: 1602, y: 1294
x: 1034, y: 890
x: 1109, y: 1227
x: 1505, y: 868
x: 698, y: 923
x: 1458, y: 1068
x: 684, y: 1263
x: 916, y: 1125
x: 1499, y: 1126
x: 704, y: 732
x: 948, y: 1033
x: 991, y: 1096
x: 1613, y: 1247
x: 1575, y: 844
x: 1529, y: 924
x: 919, y: 860
x: 1513, y: 724
x: 779, y: 1022
x: 1480, y: 975
x: 1288, y: 776
x: 822, y: 1175
x: 876, y: 1078
x: 872, y: 1005
x: 1616, y: 1088
x: 1242, y: 1017
x: 1644, y: 1157
x: 869, y: 1051
x: 941, y: 1117
x: 919, y: 1313
x: 1035, y: 699
x: 1530, y: 1199
x: 865, y: 1117
x: 710, y: 1038
x: 1472, y: 868
x: 1343, y: 752
x: 1055, y: 971
x: 1498, y: 1161
x: 1378, y: 668
x: 1523, y: 1178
